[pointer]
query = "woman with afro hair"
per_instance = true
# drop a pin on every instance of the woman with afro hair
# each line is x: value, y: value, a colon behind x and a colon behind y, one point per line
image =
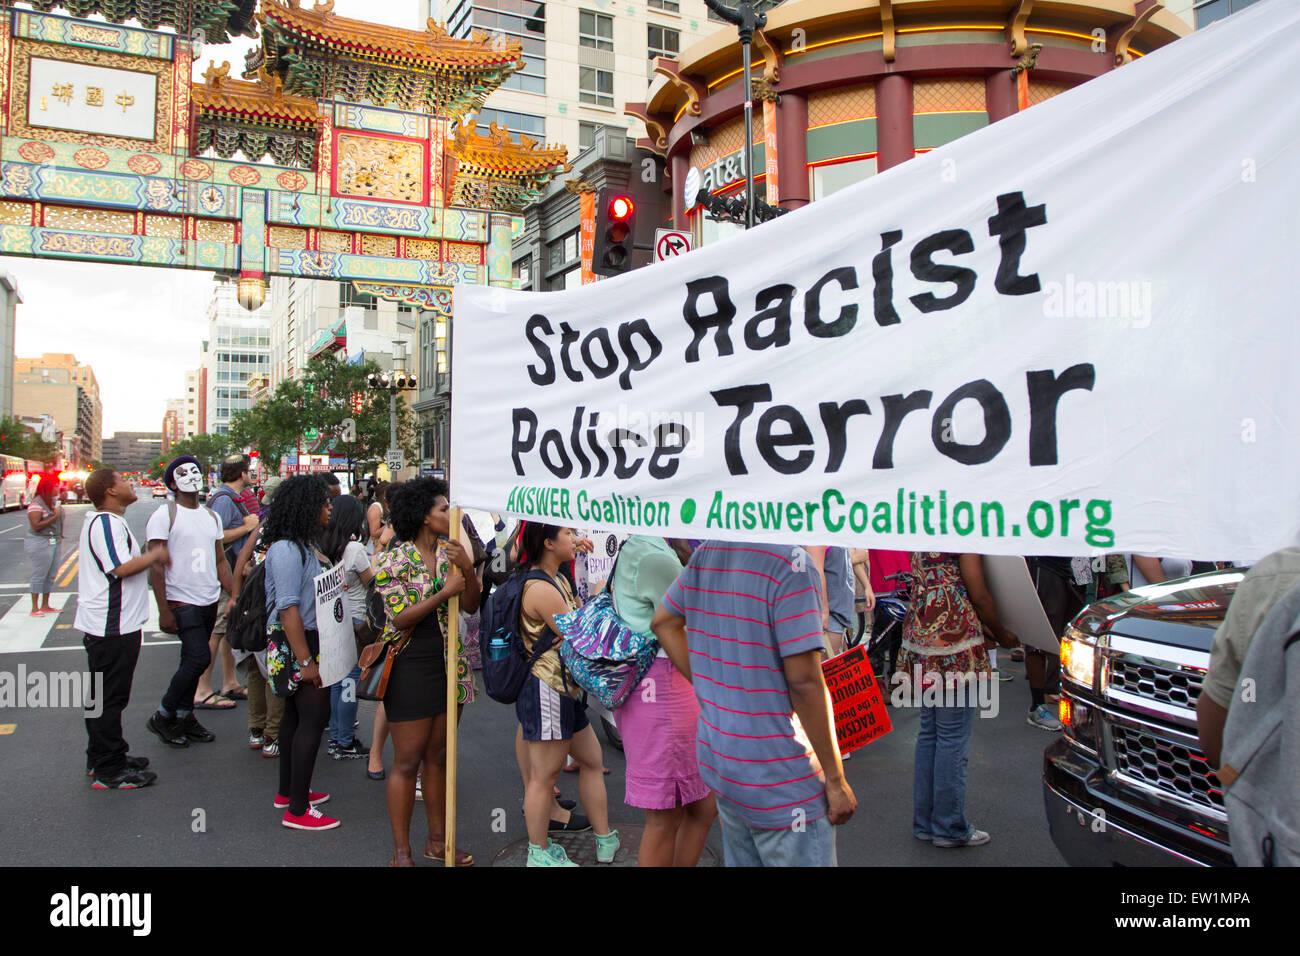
x: 417, y: 579
x: 298, y: 514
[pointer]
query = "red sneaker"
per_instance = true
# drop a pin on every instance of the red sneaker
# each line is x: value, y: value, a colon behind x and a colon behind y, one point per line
x: 282, y: 802
x: 313, y: 819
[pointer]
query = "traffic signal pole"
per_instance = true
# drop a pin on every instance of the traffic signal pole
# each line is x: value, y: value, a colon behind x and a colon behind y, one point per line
x: 746, y: 20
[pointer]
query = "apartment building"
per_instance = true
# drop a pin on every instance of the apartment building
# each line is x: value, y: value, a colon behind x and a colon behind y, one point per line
x: 313, y: 316
x: 583, y: 59
x: 10, y: 298
x: 173, y: 423
x: 57, y: 384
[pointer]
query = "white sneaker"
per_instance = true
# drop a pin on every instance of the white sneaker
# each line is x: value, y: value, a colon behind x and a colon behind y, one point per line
x: 975, y: 838
x: 1042, y: 716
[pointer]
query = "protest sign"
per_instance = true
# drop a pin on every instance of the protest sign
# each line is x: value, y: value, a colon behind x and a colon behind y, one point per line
x: 1070, y: 332
x: 860, y: 712
x: 338, y: 646
x: 1018, y: 604
x: 591, y: 571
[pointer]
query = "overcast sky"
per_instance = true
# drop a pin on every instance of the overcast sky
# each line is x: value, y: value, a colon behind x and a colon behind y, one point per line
x: 140, y: 328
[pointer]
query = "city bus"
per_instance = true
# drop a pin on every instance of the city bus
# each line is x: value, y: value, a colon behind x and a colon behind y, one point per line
x: 20, y: 481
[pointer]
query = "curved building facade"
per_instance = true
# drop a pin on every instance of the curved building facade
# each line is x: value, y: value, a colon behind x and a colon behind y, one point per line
x: 843, y: 89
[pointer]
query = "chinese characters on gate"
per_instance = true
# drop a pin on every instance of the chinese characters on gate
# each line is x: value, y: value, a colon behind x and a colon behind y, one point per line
x: 94, y: 96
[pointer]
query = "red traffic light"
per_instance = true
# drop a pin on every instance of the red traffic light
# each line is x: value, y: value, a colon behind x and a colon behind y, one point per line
x: 621, y: 207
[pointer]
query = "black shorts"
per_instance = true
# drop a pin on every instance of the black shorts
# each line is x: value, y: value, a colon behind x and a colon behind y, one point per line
x: 546, y: 714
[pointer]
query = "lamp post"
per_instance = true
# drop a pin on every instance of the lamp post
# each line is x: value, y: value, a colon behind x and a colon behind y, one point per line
x: 398, y: 380
x: 746, y: 19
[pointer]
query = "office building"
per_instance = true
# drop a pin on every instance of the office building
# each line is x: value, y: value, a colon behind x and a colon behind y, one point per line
x: 238, y: 347
x: 132, y: 452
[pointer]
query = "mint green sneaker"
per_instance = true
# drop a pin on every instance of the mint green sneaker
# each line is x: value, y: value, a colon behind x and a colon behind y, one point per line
x: 606, y: 846
x: 552, y: 855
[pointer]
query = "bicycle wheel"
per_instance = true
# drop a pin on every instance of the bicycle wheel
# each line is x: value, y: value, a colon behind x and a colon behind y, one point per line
x: 856, y: 639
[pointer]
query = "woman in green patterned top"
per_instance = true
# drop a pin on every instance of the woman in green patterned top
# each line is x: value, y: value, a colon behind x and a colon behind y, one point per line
x: 416, y: 579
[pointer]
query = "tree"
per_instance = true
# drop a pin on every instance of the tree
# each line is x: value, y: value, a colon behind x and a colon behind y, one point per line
x: 334, y: 389
x: 23, y: 442
x: 272, y: 426
x: 209, y: 449
x: 329, y: 392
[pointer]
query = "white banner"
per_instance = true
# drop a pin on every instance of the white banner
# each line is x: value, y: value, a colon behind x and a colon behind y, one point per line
x: 1070, y: 332
x: 338, y: 645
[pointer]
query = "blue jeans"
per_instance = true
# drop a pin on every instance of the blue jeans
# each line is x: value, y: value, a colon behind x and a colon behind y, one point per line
x: 742, y: 845
x: 939, y: 778
x: 343, y: 714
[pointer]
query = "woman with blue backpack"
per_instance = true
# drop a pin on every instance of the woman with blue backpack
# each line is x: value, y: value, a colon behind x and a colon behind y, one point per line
x: 551, y: 717
x: 658, y: 720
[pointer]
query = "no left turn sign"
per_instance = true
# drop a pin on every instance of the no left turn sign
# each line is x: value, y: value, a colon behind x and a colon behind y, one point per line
x: 670, y: 243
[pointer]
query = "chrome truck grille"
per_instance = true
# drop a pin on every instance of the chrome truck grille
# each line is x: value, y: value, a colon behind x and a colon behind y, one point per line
x: 1144, y: 680
x: 1165, y: 766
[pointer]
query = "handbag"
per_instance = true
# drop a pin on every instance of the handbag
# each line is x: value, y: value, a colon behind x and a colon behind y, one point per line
x: 376, y: 663
x: 606, y: 658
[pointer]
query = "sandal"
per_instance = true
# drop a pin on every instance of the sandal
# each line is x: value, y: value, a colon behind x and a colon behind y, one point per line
x: 206, y: 703
x: 239, y: 693
x: 462, y: 858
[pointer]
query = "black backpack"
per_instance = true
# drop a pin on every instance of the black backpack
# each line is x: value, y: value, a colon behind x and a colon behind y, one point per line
x: 246, y: 626
x: 506, y: 664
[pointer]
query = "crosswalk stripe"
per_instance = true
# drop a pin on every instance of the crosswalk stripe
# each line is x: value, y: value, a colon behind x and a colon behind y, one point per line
x: 67, y: 579
x: 67, y: 563
x: 20, y: 631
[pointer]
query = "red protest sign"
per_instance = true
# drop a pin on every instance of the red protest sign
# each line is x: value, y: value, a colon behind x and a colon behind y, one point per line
x: 860, y: 712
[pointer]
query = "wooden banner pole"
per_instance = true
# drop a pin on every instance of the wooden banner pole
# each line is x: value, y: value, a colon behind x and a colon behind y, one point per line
x: 453, y: 688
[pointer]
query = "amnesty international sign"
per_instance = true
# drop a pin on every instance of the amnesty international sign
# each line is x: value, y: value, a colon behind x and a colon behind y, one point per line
x: 1073, y: 331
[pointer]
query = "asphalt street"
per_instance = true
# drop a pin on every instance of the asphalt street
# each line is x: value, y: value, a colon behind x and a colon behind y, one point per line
x: 212, y: 806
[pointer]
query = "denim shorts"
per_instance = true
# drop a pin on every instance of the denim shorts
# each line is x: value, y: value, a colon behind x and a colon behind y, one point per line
x: 812, y: 844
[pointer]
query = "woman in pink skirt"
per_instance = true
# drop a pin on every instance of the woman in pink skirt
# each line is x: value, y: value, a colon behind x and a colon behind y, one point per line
x: 658, y: 721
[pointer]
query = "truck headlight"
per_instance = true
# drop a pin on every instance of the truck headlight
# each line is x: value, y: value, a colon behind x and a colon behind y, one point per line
x: 1078, y: 656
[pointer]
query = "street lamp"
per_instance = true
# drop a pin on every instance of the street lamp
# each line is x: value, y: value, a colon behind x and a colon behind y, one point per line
x: 398, y: 380
x: 440, y: 344
x: 746, y: 18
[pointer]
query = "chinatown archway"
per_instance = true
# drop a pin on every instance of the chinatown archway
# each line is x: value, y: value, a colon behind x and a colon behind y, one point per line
x: 339, y: 155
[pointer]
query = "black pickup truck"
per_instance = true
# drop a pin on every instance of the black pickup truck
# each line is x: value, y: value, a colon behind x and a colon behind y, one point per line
x: 1127, y: 784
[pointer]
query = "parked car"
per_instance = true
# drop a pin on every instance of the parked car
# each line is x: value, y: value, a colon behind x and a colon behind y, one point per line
x: 1127, y: 784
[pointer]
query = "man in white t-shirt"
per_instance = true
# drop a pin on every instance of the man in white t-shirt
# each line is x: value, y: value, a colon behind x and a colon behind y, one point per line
x: 187, y: 594
x: 112, y: 606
